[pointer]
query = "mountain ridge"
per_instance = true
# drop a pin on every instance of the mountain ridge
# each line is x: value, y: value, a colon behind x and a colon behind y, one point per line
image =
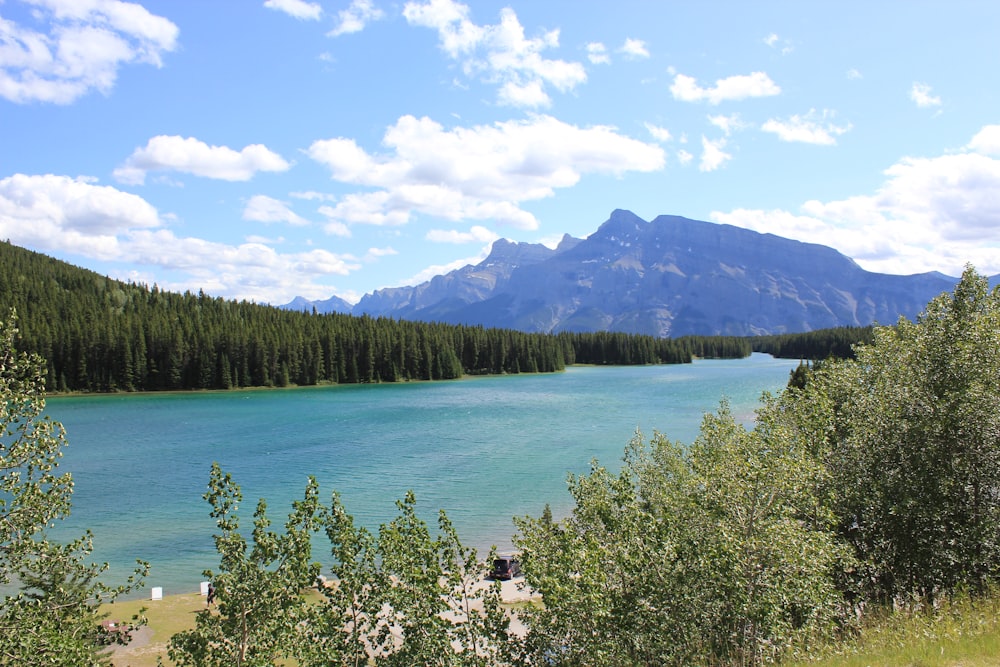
x: 671, y: 276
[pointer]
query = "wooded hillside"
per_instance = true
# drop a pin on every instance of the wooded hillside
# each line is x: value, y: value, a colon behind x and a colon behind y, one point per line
x: 99, y: 334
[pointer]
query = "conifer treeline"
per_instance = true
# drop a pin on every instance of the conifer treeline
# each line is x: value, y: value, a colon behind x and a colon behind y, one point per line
x: 99, y: 334
x: 834, y: 343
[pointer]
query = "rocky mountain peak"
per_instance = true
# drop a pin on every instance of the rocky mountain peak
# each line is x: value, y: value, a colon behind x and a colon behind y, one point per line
x: 670, y: 277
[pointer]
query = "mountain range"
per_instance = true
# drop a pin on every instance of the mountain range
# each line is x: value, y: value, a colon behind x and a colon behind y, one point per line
x: 672, y: 276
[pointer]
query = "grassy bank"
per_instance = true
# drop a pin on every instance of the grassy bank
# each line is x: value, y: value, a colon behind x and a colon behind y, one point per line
x: 961, y: 633
x: 166, y: 617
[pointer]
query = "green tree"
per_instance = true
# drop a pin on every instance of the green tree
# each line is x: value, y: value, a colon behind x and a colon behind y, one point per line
x: 913, y: 437
x: 340, y: 631
x: 259, y: 586
x: 52, y: 616
x: 405, y: 597
x: 435, y: 616
x: 715, y: 554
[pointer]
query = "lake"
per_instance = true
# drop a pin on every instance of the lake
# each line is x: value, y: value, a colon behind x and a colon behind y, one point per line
x: 484, y: 449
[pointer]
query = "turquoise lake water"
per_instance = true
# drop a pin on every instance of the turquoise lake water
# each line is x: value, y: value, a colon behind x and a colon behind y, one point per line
x: 483, y: 449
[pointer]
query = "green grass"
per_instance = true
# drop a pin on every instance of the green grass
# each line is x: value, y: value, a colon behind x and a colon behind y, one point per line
x: 961, y: 633
x: 165, y: 618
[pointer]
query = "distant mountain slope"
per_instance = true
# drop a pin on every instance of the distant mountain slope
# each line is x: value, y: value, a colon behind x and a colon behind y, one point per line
x: 669, y: 277
x: 332, y: 305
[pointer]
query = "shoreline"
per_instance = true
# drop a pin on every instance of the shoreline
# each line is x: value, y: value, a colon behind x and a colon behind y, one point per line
x: 170, y: 590
x: 176, y: 612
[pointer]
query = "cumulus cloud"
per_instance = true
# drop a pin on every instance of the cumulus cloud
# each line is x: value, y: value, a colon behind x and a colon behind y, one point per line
x: 262, y: 208
x: 661, y: 134
x: 375, y: 253
x: 986, y: 141
x: 812, y: 128
x: 728, y: 124
x: 441, y: 269
x: 930, y: 214
x: 756, y: 84
x: 57, y: 212
x: 713, y: 156
x: 530, y: 94
x: 334, y: 226
x: 921, y: 95
x: 62, y: 215
x: 634, y: 48
x: 191, y: 156
x: 773, y: 41
x: 458, y: 34
x: 500, y: 53
x: 473, y: 173
x: 354, y: 19
x: 312, y: 195
x: 476, y: 234
x: 250, y: 270
x: 76, y: 47
x: 597, y: 54
x: 304, y: 11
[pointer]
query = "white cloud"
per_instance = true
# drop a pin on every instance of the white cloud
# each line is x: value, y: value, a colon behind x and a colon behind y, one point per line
x: 60, y: 213
x: 756, y: 84
x: 812, y: 128
x: 255, y: 238
x: 530, y: 94
x: 499, y: 53
x: 930, y: 214
x: 192, y: 156
x: 441, y: 269
x: 476, y: 234
x: 252, y: 271
x: 354, y: 19
x: 262, y: 208
x: 854, y: 74
x: 684, y: 157
x: 712, y: 155
x: 597, y: 54
x: 772, y: 40
x: 634, y: 48
x: 920, y: 93
x: 457, y: 33
x: 368, y: 208
x: 728, y: 124
x: 337, y: 228
x: 661, y: 134
x: 986, y: 141
x: 79, y: 48
x: 304, y: 11
x: 375, y: 253
x: 311, y: 195
x: 476, y: 173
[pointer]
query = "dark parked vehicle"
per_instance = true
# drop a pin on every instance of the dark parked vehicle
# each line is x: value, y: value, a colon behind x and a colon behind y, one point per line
x: 505, y: 567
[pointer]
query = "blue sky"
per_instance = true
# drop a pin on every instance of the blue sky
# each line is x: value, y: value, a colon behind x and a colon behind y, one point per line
x: 262, y: 150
